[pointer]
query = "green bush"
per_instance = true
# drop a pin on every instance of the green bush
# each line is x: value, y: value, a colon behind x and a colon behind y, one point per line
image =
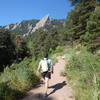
x: 17, y: 79
x: 7, y: 93
x: 83, y: 73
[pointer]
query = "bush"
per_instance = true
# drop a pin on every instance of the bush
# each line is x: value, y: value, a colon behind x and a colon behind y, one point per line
x: 17, y: 79
x: 82, y: 71
x: 7, y: 93
x: 7, y: 48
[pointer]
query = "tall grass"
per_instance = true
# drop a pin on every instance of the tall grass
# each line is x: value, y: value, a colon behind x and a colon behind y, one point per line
x: 14, y: 81
x: 18, y: 78
x: 83, y: 71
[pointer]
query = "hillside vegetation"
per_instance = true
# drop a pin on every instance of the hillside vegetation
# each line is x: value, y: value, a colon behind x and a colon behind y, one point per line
x: 78, y: 40
x: 83, y: 73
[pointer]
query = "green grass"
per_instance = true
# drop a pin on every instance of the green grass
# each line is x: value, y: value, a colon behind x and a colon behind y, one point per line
x: 82, y: 72
x: 17, y: 79
x: 20, y: 77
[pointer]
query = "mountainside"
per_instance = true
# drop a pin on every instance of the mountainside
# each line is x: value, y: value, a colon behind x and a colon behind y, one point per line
x: 30, y: 26
x: 23, y: 27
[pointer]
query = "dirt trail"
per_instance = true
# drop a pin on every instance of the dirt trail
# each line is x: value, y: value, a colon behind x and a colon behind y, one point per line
x: 58, y: 87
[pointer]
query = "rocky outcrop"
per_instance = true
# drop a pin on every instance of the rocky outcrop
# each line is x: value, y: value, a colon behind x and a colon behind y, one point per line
x: 16, y: 25
x: 7, y: 27
x: 30, y: 26
x: 41, y: 23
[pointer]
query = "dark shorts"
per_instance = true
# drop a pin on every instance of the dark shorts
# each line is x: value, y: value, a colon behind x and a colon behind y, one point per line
x: 46, y: 74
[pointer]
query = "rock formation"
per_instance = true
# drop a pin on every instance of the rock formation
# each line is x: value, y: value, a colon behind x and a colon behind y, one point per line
x: 27, y: 27
x: 41, y: 23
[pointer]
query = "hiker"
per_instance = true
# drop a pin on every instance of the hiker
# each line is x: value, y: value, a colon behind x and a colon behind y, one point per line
x: 45, y: 68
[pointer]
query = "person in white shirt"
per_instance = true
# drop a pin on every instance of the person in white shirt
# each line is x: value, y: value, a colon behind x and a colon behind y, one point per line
x: 46, y: 68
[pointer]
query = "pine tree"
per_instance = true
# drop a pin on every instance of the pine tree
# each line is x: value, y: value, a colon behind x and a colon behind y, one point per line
x: 92, y: 36
x: 79, y: 16
x: 7, y: 48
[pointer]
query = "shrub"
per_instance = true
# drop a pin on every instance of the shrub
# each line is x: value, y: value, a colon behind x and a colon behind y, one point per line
x: 7, y: 93
x: 82, y: 71
x: 17, y: 79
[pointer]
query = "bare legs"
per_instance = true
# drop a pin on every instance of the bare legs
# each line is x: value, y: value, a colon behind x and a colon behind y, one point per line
x: 46, y: 84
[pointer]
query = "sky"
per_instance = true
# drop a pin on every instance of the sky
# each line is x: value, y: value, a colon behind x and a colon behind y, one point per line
x: 12, y: 11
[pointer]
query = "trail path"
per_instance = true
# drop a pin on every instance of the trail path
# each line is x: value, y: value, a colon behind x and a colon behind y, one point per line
x: 58, y: 87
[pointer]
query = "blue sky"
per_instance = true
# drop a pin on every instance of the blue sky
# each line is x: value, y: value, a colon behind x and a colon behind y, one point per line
x: 12, y: 11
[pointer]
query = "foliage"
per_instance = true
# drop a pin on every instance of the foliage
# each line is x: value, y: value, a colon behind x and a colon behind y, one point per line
x: 82, y: 25
x: 75, y: 2
x: 76, y: 22
x: 44, y: 40
x: 21, y: 47
x: 12, y: 48
x: 83, y: 73
x: 7, y: 93
x: 92, y: 36
x: 7, y: 48
x: 17, y: 79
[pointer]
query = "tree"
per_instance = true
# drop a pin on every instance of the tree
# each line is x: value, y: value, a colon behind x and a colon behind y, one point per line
x: 92, y: 36
x: 44, y: 40
x: 21, y: 47
x: 7, y: 48
x: 79, y: 16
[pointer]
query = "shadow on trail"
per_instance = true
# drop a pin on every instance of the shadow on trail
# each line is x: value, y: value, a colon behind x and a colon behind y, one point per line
x: 57, y: 87
x: 38, y: 96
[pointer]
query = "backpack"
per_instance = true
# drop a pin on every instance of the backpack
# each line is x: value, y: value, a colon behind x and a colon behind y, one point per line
x: 44, y: 65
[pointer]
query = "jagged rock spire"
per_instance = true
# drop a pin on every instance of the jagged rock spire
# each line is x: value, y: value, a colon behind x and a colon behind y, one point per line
x: 41, y: 23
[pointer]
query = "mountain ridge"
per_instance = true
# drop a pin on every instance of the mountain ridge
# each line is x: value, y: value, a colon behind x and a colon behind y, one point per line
x: 30, y: 26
